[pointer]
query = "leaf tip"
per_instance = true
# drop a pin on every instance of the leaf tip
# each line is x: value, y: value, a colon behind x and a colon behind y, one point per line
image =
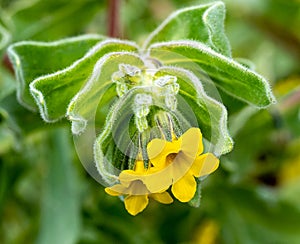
x: 78, y: 124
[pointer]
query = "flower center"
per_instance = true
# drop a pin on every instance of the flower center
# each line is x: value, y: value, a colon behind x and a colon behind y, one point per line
x: 137, y: 187
x: 170, y: 158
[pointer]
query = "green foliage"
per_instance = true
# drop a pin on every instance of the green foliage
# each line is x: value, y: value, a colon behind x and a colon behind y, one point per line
x: 210, y: 114
x: 7, y: 83
x: 44, y: 60
x: 100, y: 90
x: 54, y: 92
x: 46, y: 197
x: 227, y: 74
x: 204, y: 23
x: 49, y: 20
x: 256, y: 213
x: 4, y: 36
x: 61, y: 196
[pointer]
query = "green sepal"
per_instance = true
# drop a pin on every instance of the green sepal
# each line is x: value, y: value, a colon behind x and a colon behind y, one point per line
x: 227, y: 74
x: 203, y: 23
x: 116, y: 147
x: 121, y: 142
x: 32, y: 59
x: 99, y: 92
x: 210, y: 114
x: 196, y: 200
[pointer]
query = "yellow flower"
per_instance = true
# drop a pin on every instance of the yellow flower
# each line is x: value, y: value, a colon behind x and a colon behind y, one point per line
x: 137, y: 193
x: 176, y: 163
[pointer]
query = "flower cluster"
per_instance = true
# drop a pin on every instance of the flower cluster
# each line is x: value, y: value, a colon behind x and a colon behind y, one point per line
x: 172, y: 164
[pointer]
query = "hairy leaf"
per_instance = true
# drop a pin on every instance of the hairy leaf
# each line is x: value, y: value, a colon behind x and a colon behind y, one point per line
x: 203, y: 23
x: 228, y: 75
x: 99, y: 90
x: 53, y: 92
x: 33, y: 59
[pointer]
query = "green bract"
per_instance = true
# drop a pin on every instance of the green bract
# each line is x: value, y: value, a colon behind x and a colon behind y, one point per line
x: 131, y: 95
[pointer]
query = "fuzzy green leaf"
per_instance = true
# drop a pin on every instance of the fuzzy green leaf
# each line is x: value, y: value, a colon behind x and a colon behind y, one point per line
x: 99, y: 91
x: 33, y: 59
x: 203, y: 23
x: 196, y: 200
x: 53, y: 92
x: 228, y: 75
x: 118, y: 137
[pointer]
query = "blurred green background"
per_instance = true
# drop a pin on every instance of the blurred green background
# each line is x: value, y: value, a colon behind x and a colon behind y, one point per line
x: 46, y: 196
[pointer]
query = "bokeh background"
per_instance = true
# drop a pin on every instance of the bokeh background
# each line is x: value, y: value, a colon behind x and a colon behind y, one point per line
x: 46, y: 196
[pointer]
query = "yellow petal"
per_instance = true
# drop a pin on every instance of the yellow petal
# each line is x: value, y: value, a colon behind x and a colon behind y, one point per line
x: 137, y: 187
x: 160, y: 180
x: 112, y: 192
x: 181, y: 166
x: 154, y: 180
x: 139, y: 167
x: 155, y: 147
x: 157, y: 180
x: 159, y: 149
x: 163, y: 197
x: 205, y: 164
x: 128, y: 176
x: 185, y: 188
x: 136, y: 204
x: 191, y: 142
x: 116, y: 190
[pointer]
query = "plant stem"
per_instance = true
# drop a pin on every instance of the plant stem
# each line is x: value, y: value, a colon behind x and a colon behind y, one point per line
x: 7, y: 64
x: 113, y: 28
